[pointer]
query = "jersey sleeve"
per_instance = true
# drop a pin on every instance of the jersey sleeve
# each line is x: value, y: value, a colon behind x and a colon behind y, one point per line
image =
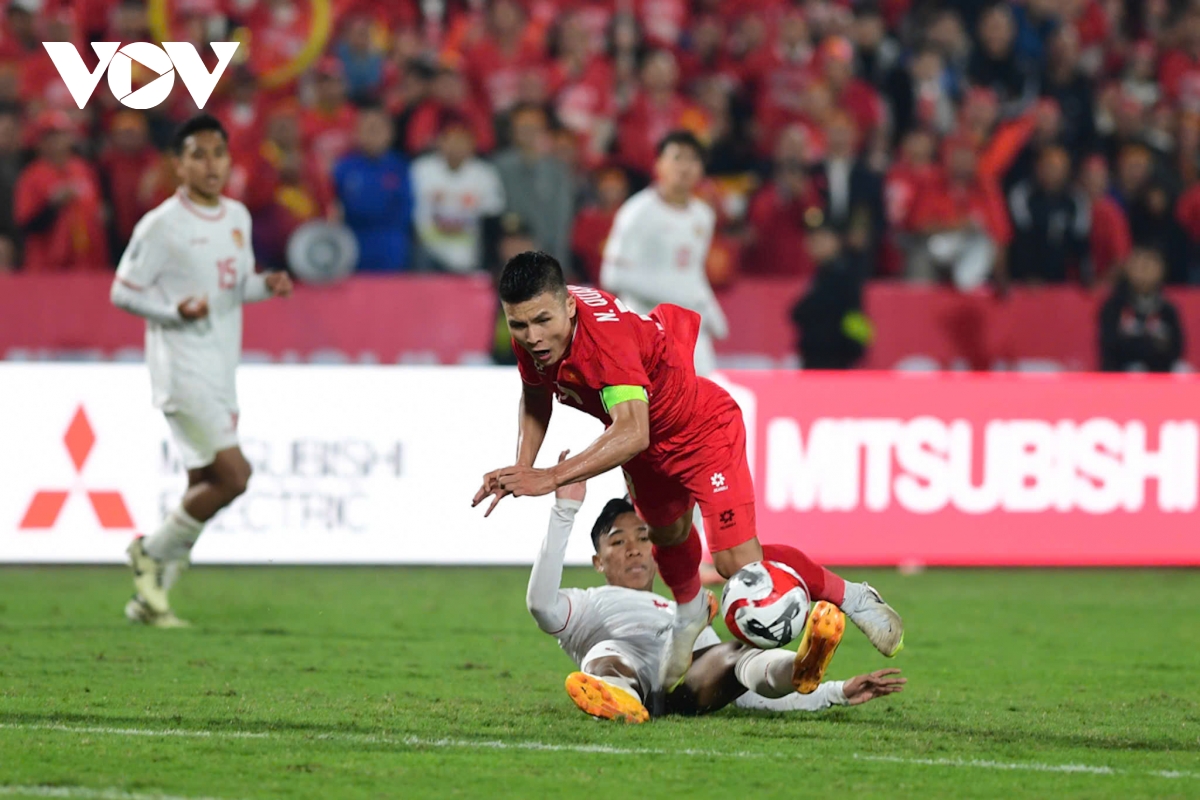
x: 616, y: 360
x: 145, y: 257
x: 139, y: 269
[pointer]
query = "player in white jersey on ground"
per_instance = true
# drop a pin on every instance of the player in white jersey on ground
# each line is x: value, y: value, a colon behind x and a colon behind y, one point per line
x: 614, y: 634
x: 658, y: 246
x: 187, y: 270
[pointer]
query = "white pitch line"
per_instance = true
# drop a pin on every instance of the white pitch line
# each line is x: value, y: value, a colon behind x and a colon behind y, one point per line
x: 497, y: 744
x: 84, y: 793
x: 137, y: 731
x: 1029, y: 766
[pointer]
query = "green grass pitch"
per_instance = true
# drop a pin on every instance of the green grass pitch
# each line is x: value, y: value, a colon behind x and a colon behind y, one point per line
x: 366, y: 683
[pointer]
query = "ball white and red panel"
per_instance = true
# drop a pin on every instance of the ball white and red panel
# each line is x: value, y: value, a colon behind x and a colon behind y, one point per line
x: 765, y: 604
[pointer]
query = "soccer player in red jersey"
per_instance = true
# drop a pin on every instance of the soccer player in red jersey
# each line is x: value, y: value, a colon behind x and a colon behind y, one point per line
x: 679, y: 439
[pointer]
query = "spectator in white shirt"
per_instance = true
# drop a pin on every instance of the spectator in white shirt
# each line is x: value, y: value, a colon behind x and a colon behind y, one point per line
x: 459, y: 198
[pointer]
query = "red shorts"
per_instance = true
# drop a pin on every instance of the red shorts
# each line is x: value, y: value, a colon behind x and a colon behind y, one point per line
x: 704, y: 465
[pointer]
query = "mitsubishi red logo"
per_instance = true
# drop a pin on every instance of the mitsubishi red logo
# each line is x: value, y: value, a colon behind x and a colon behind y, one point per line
x: 46, y: 504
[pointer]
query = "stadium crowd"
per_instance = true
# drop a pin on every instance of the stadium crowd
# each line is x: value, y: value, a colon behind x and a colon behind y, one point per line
x: 965, y: 141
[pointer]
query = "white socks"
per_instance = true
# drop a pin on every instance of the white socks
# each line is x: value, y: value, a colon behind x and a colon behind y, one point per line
x: 766, y: 672
x: 174, y: 539
x: 856, y: 594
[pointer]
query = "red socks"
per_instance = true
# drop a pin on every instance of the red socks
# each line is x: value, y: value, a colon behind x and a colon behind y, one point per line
x: 822, y: 584
x: 679, y: 566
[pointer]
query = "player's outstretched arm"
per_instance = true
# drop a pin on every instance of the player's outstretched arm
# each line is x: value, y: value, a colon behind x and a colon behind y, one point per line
x: 135, y: 299
x: 533, y: 420
x: 537, y: 406
x: 549, y: 605
x: 628, y: 435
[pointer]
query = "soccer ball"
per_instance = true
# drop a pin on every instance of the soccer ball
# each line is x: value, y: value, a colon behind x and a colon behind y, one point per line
x: 765, y: 604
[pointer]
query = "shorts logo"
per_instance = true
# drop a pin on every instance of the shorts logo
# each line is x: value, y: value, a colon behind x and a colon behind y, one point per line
x: 718, y: 482
x: 726, y: 518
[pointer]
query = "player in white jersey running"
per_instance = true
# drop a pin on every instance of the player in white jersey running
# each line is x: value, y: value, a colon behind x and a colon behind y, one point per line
x: 614, y: 634
x: 658, y: 246
x: 187, y: 270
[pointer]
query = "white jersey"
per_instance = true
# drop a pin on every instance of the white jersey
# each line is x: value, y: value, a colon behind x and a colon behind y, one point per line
x: 638, y: 619
x: 450, y: 207
x: 656, y: 253
x: 181, y: 250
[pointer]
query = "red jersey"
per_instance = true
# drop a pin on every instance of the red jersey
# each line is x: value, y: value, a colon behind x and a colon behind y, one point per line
x: 75, y: 239
x: 612, y: 346
x: 328, y: 135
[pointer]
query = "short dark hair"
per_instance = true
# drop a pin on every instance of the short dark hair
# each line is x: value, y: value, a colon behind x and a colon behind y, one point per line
x: 529, y: 274
x: 197, y: 124
x: 683, y: 138
x: 608, y: 517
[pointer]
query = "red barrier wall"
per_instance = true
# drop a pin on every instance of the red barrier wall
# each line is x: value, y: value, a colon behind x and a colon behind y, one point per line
x: 427, y: 318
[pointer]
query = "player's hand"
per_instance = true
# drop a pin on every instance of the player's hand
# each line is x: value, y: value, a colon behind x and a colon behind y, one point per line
x: 520, y: 481
x: 862, y: 688
x: 194, y: 308
x: 572, y: 491
x: 490, y: 487
x: 280, y: 283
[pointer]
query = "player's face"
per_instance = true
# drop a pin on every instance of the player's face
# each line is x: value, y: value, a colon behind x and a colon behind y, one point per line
x: 678, y: 169
x: 542, y: 325
x: 625, y: 555
x: 203, y: 167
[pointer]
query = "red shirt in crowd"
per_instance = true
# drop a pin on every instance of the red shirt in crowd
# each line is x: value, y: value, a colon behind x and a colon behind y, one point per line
x: 780, y: 233
x: 1110, y: 239
x: 944, y: 204
x: 663, y: 21
x: 123, y: 172
x: 1179, y: 77
x: 328, y: 134
x: 646, y: 123
x: 425, y: 119
x: 76, y: 238
x: 495, y: 73
x: 582, y: 102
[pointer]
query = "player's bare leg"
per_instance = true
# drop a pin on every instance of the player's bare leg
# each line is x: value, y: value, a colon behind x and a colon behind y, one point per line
x: 158, y: 559
x: 609, y: 690
x: 677, y: 550
x: 711, y: 683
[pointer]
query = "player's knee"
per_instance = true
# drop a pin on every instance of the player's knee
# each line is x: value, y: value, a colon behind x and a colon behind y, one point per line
x: 239, y: 481
x: 673, y: 534
x: 727, y: 562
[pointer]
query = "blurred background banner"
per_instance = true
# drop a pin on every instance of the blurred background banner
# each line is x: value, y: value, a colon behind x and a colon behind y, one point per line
x: 378, y: 465
x: 432, y: 319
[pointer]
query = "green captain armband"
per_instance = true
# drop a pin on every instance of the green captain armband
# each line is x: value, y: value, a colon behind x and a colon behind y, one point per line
x: 614, y: 395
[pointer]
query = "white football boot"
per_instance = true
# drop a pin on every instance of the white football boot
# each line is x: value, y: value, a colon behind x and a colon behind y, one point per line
x: 875, y: 618
x: 148, y: 578
x: 137, y: 610
x: 689, y: 622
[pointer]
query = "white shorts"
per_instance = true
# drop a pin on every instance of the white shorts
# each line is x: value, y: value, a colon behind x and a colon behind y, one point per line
x: 642, y: 660
x: 201, y: 434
